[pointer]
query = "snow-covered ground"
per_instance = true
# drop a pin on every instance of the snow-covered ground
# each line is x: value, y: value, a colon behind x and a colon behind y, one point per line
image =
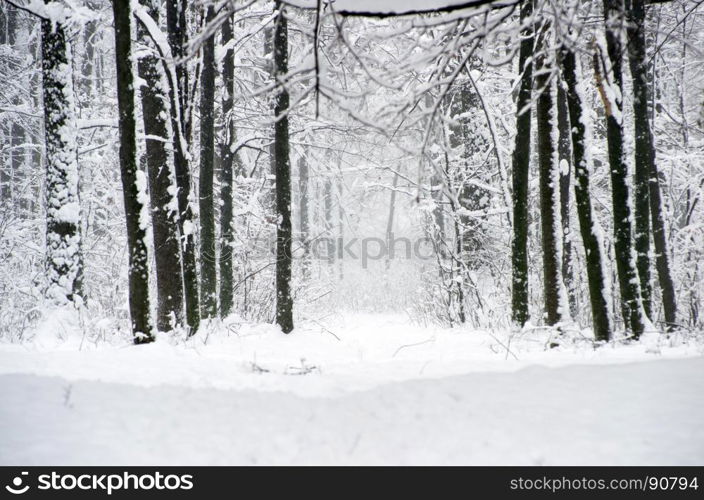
x: 349, y: 389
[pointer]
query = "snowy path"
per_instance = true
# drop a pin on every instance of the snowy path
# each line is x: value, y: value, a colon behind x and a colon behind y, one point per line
x: 638, y: 413
x: 386, y: 392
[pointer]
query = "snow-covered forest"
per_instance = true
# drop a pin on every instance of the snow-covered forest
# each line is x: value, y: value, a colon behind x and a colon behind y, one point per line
x: 203, y: 198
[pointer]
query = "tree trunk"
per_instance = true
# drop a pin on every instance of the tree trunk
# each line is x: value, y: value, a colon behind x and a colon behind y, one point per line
x: 167, y: 249
x: 565, y: 166
x: 208, y: 257
x: 176, y: 26
x: 587, y: 223
x: 521, y: 159
x: 284, y: 301
x: 227, y: 237
x: 390, y: 223
x: 329, y: 224
x: 63, y: 209
x: 133, y: 180
x: 303, y: 199
x: 643, y: 144
x: 549, y: 195
x: 623, y: 244
x: 647, y: 177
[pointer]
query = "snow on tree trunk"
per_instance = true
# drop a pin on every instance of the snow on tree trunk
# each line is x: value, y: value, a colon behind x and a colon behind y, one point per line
x: 134, y: 181
x: 208, y: 257
x: 178, y: 90
x: 596, y: 275
x: 612, y: 87
x: 565, y: 168
x: 647, y: 177
x: 162, y: 185
x: 284, y: 301
x: 636, y: 50
x: 551, y: 229
x: 63, y: 209
x: 227, y: 175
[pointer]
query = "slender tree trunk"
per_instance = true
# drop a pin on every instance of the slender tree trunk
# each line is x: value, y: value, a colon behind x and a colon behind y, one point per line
x: 647, y: 177
x: 565, y: 157
x: 587, y: 223
x: 167, y: 249
x: 327, y: 214
x: 227, y: 237
x: 63, y: 209
x: 629, y: 285
x: 521, y: 159
x: 303, y: 199
x: 133, y: 180
x: 208, y: 257
x: 176, y: 26
x: 284, y: 301
x: 549, y: 195
x: 390, y: 223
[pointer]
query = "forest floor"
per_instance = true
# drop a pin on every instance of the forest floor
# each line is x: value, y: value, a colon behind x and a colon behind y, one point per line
x: 352, y: 389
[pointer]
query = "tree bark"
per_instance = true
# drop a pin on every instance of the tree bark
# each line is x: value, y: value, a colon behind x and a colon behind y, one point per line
x: 629, y: 285
x: 647, y: 176
x: 521, y: 159
x: 643, y: 143
x: 133, y: 184
x: 549, y: 195
x: 565, y: 166
x: 587, y: 223
x: 64, y: 264
x: 167, y: 249
x: 284, y: 301
x: 208, y: 257
x: 227, y: 237
x: 176, y: 27
x: 303, y: 199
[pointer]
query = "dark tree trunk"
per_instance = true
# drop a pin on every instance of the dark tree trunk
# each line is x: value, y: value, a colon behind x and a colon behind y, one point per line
x: 549, y: 195
x: 643, y: 145
x: 132, y: 186
x: 167, y: 249
x: 582, y: 166
x: 564, y: 149
x: 521, y: 159
x: 623, y: 243
x: 227, y: 238
x: 647, y: 177
x: 208, y: 257
x: 284, y: 301
x: 63, y: 229
x: 176, y: 26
